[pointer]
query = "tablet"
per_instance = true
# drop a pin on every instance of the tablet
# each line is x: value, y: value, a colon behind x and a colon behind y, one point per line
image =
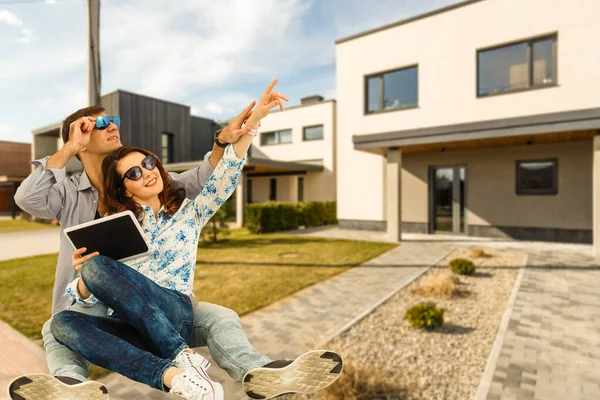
x: 118, y: 236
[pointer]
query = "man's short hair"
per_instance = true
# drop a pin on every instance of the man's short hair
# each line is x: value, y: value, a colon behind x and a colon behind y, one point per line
x: 84, y: 112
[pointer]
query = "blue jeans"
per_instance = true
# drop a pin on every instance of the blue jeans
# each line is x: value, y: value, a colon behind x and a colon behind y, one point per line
x: 149, y: 327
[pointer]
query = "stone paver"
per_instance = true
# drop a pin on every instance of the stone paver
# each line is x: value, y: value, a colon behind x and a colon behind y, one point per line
x: 312, y: 316
x: 551, y: 349
x: 29, y: 243
x: 18, y: 356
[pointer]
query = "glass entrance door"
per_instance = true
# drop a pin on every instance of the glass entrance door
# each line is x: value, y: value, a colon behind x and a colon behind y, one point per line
x: 447, y: 199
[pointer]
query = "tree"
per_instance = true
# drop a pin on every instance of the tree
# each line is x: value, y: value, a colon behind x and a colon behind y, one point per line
x: 215, y: 227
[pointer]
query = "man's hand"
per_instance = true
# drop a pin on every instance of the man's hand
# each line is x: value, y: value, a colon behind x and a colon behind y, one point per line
x: 232, y: 132
x: 79, y: 133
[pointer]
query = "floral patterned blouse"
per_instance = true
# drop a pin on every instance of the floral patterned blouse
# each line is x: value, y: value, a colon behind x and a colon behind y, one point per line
x: 174, y: 240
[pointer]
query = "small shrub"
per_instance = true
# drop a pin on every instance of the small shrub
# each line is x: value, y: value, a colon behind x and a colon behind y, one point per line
x: 360, y: 383
x: 425, y: 316
x: 478, y: 252
x: 438, y: 285
x: 462, y: 266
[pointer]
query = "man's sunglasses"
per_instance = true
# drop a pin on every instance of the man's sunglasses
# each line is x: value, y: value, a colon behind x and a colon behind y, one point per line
x: 136, y: 173
x: 104, y: 121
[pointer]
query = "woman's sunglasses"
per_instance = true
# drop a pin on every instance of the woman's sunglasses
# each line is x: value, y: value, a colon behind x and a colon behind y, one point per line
x: 136, y: 173
x: 104, y: 121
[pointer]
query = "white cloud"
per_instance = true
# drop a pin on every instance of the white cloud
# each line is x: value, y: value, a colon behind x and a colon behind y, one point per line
x: 208, y: 44
x: 10, y: 18
x: 227, y: 105
x: 28, y: 35
x: 4, y: 129
x: 214, y: 108
x: 50, y: 1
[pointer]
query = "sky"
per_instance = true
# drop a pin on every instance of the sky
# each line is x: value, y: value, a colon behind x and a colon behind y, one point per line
x: 213, y: 55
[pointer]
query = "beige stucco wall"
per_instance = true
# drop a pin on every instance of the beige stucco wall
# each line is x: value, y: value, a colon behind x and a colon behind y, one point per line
x: 318, y: 186
x: 491, y: 197
x: 445, y: 46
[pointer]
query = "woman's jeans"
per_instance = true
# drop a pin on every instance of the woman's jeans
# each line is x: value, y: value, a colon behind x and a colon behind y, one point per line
x: 149, y: 327
x: 216, y: 327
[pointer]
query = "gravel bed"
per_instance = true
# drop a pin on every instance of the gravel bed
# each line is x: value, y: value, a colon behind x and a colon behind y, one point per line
x: 446, y: 363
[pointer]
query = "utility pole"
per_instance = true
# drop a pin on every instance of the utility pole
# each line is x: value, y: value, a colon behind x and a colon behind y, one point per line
x: 94, y: 74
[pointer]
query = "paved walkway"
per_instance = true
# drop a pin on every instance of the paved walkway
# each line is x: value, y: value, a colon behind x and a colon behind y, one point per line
x: 18, y: 356
x: 551, y: 347
x: 29, y: 243
x: 313, y: 315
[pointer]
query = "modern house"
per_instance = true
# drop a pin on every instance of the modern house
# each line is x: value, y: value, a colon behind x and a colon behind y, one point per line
x: 14, y: 168
x: 293, y: 159
x: 481, y: 119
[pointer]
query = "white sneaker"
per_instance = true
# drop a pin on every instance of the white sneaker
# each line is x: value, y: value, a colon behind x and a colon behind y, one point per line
x: 185, y: 360
x: 194, y: 384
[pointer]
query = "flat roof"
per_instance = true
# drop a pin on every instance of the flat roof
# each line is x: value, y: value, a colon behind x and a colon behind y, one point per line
x: 255, y: 164
x: 47, y: 128
x: 407, y: 20
x: 575, y: 120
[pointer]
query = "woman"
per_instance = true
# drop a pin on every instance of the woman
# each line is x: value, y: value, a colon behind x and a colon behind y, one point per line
x: 146, y: 336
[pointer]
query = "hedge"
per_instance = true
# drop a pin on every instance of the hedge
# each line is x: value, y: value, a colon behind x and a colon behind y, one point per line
x: 279, y: 216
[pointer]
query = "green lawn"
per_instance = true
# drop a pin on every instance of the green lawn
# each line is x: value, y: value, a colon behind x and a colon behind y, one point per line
x: 19, y: 225
x: 244, y: 273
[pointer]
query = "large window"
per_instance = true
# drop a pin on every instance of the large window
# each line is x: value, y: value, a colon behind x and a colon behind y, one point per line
x: 537, y: 177
x: 392, y: 90
x: 167, y: 148
x: 520, y: 66
x: 273, y: 190
x: 312, y: 132
x: 276, y: 137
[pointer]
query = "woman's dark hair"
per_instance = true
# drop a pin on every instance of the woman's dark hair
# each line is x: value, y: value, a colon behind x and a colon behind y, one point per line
x: 114, y: 187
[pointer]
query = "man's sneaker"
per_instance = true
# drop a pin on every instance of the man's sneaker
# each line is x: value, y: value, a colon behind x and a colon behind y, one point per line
x: 194, y: 384
x: 309, y: 373
x: 185, y: 360
x: 47, y: 387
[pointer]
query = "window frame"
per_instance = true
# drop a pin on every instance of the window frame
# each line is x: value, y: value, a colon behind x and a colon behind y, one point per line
x: 530, y: 42
x: 170, y: 147
x: 300, y: 193
x: 277, y: 132
x: 249, y: 194
x: 273, y: 189
x: 536, y: 192
x: 381, y: 74
x: 304, y: 139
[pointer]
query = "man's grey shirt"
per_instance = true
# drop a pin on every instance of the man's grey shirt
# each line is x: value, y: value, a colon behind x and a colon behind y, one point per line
x: 72, y: 200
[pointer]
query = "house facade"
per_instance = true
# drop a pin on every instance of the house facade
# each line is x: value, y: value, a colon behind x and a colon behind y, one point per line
x: 477, y: 119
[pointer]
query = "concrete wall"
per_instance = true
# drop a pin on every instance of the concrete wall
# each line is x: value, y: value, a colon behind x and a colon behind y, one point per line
x: 444, y: 47
x: 318, y: 186
x: 491, y: 197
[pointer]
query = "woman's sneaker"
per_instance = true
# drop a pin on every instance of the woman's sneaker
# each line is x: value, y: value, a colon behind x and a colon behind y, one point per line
x: 311, y: 372
x: 194, y: 384
x: 38, y: 386
x: 185, y: 360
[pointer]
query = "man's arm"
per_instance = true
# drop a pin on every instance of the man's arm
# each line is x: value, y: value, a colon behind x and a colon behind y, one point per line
x: 193, y: 180
x: 42, y: 193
